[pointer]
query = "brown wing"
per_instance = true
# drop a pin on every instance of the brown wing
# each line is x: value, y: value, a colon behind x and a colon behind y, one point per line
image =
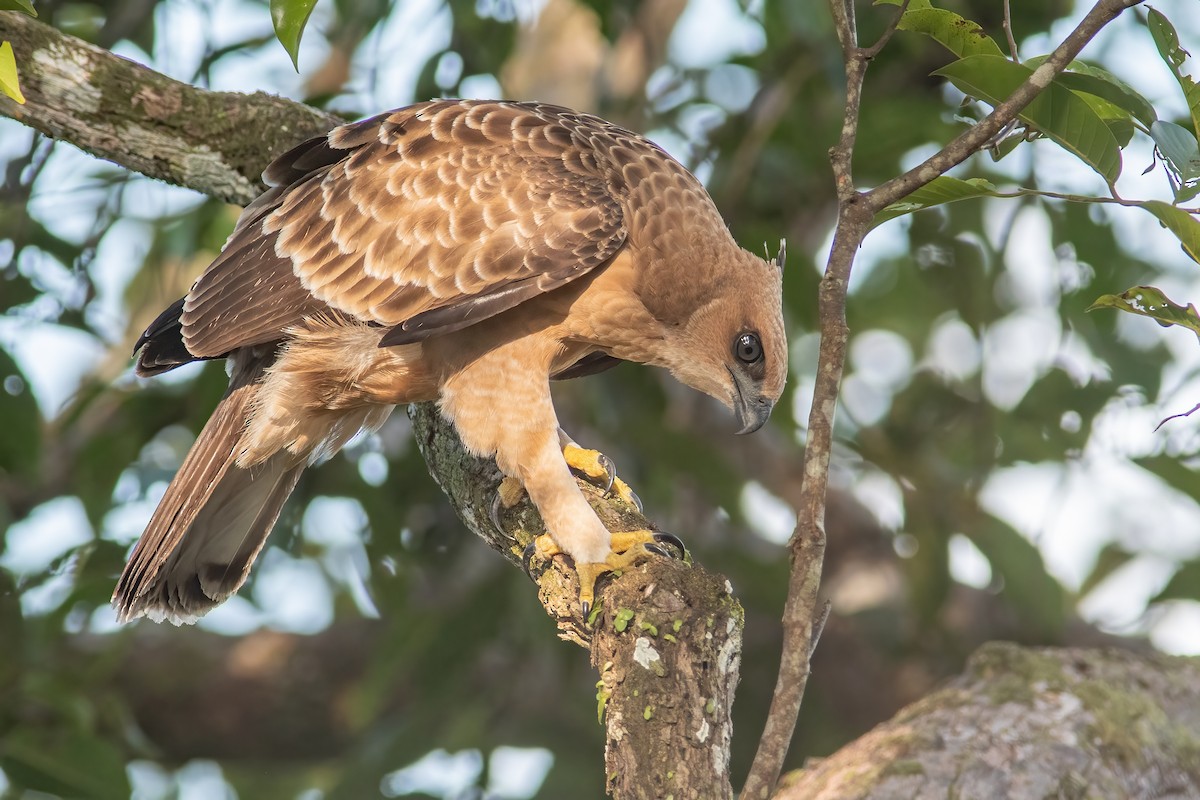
x: 425, y: 219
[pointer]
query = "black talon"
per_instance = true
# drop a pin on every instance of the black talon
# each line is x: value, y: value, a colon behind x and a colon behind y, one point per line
x: 587, y: 608
x: 610, y: 472
x: 637, y: 501
x: 672, y: 540
x: 653, y: 548
x: 494, y: 513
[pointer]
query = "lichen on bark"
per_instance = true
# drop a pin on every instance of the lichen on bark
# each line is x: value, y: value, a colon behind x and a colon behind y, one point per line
x: 1031, y: 723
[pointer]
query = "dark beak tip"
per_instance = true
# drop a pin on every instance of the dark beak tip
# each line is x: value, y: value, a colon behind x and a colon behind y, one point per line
x: 752, y: 416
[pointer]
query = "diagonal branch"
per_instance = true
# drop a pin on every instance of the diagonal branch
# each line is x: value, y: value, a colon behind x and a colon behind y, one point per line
x: 213, y: 142
x: 974, y: 138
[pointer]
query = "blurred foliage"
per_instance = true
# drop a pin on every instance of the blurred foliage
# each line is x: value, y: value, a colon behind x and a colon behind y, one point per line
x: 971, y: 358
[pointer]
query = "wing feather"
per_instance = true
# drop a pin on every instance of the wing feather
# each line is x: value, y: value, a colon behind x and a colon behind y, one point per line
x: 425, y: 219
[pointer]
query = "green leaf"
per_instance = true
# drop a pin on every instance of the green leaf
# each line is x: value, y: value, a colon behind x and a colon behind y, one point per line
x: 1167, y: 41
x: 1179, y: 222
x: 1147, y: 301
x: 21, y: 434
x: 24, y: 6
x: 958, y: 35
x: 8, y: 74
x: 939, y: 191
x: 1184, y: 584
x: 1187, y: 192
x: 1121, y: 129
x: 68, y: 763
x: 1178, y: 146
x: 1057, y: 112
x: 289, y: 18
x: 1118, y: 120
x: 1084, y: 78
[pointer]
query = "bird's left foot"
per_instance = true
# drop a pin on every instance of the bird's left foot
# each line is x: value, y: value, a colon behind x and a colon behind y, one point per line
x: 599, y: 470
x: 627, y: 549
x: 592, y: 465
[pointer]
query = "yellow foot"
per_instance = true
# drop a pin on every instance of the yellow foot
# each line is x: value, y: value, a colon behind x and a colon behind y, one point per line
x: 599, y: 470
x: 627, y: 549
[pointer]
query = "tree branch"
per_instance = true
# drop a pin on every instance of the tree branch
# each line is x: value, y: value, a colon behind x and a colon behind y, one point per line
x: 1030, y: 723
x: 801, y: 620
x: 213, y: 142
x: 971, y: 140
x: 666, y: 637
x: 667, y: 640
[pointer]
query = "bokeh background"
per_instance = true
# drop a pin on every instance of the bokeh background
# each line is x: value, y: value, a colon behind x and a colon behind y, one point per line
x: 997, y: 473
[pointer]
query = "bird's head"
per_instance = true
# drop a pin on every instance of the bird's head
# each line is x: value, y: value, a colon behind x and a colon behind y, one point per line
x: 733, y: 346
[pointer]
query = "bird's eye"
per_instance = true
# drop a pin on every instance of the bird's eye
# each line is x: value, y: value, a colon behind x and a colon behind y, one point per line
x: 748, y: 348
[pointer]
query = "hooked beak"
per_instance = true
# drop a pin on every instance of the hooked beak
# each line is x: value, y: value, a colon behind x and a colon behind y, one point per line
x: 752, y: 409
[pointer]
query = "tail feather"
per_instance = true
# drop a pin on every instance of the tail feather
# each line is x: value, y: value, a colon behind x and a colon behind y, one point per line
x: 214, y: 518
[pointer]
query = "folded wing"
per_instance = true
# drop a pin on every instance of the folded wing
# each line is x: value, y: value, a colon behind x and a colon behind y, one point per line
x: 424, y: 220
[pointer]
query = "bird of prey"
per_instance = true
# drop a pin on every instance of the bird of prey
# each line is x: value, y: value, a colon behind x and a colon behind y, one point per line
x: 463, y: 252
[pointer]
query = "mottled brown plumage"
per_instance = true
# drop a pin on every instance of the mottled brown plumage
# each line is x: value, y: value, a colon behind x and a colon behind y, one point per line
x: 456, y: 251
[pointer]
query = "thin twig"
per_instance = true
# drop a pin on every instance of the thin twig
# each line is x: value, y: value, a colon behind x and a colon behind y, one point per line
x: 971, y: 140
x: 844, y: 23
x: 888, y: 33
x: 802, y: 621
x: 1008, y: 32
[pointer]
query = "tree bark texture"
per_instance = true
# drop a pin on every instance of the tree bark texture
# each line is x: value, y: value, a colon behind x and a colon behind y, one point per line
x: 665, y: 637
x: 1030, y: 723
x: 214, y: 142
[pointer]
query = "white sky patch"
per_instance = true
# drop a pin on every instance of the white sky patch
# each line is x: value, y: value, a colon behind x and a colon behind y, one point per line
x: 865, y: 402
x: 714, y: 31
x: 373, y: 468
x: 1119, y: 602
x: 338, y: 524
x: 203, y: 780
x: 54, y: 379
x: 731, y: 86
x: 887, y: 242
x: 1178, y: 629
x: 293, y: 593
x: 880, y: 495
x: 1071, y: 511
x: 389, y: 63
x: 480, y: 87
x: 1017, y: 350
x: 952, y: 349
x: 884, y: 358
x: 518, y: 772
x: 968, y: 565
x: 439, y: 773
x: 236, y: 616
x: 334, y: 521
x: 882, y: 365
x: 48, y: 533
x: 1030, y: 279
x: 148, y: 781
x: 769, y: 516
